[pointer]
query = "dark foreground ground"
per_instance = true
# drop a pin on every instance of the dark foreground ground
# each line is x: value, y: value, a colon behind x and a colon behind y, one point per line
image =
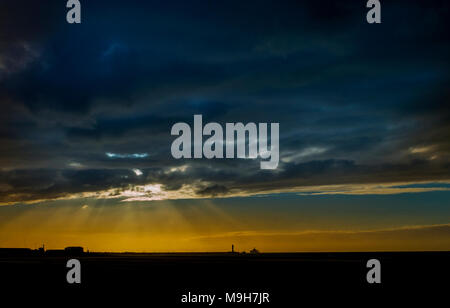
x: 291, y: 279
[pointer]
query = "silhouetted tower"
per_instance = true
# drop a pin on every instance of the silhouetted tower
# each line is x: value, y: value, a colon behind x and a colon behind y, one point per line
x: 232, y: 248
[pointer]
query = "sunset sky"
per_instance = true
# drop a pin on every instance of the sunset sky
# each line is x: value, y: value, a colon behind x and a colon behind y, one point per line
x: 87, y: 110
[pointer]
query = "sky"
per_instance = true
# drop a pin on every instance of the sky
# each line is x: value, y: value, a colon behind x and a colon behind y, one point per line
x: 87, y: 111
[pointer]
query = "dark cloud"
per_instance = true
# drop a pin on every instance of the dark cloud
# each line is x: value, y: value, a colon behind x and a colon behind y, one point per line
x: 213, y: 190
x: 355, y: 102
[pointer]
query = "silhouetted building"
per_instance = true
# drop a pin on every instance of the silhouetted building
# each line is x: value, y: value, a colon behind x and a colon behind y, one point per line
x: 254, y: 251
x: 15, y: 251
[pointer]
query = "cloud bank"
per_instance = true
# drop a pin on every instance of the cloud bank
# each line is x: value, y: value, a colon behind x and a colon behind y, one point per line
x: 85, y: 106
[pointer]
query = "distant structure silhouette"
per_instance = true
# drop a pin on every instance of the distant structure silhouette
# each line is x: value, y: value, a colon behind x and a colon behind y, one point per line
x: 254, y: 251
x: 15, y: 251
x: 41, y: 250
x: 232, y: 248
